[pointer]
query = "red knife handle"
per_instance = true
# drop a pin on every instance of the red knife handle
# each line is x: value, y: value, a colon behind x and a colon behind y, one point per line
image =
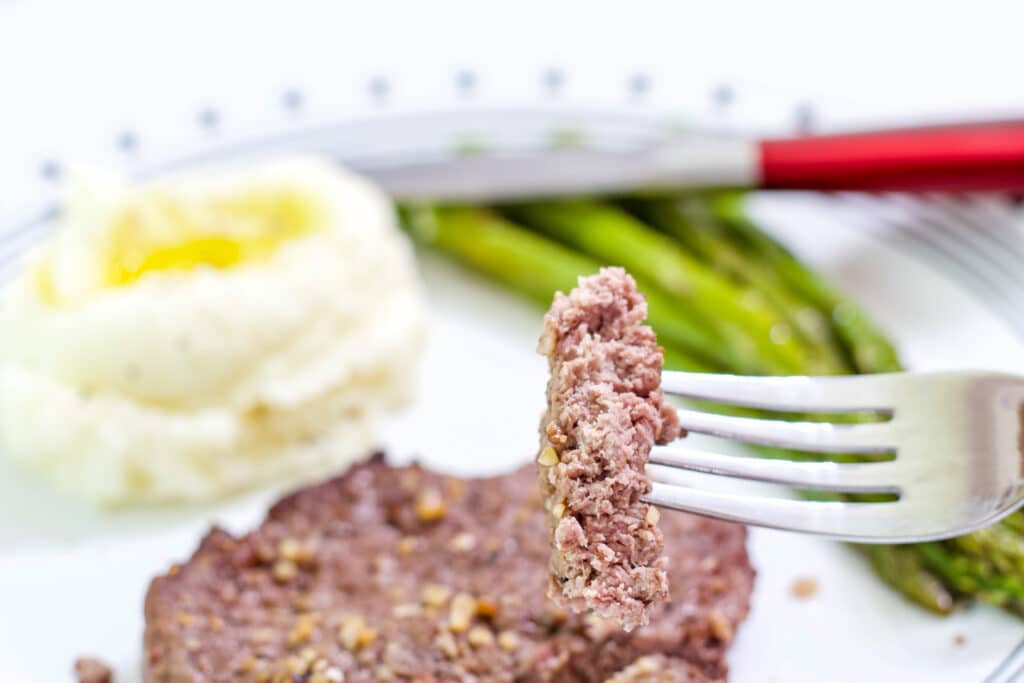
x: 983, y: 157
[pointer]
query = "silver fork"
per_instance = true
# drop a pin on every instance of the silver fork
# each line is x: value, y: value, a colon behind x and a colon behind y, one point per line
x: 957, y: 441
x: 1011, y: 669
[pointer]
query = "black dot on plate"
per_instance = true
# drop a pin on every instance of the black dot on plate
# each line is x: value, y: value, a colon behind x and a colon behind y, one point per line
x: 51, y: 170
x: 465, y: 81
x: 127, y: 141
x: 553, y: 79
x: 208, y: 118
x: 292, y: 99
x: 805, y: 119
x: 723, y: 95
x: 379, y: 88
x: 639, y: 84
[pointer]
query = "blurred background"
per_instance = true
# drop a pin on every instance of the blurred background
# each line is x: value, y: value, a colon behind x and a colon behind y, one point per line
x: 145, y: 88
x: 151, y: 70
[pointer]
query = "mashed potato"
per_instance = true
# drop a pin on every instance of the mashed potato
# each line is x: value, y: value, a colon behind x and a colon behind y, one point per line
x: 208, y: 332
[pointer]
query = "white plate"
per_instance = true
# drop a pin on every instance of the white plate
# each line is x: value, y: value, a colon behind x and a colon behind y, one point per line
x: 938, y: 276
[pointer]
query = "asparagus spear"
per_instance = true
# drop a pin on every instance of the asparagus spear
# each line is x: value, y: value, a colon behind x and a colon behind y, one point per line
x: 867, y: 346
x: 686, y: 219
x: 973, y: 577
x: 538, y: 267
x: 903, y: 569
x: 1015, y: 522
x: 1000, y: 547
x: 757, y: 341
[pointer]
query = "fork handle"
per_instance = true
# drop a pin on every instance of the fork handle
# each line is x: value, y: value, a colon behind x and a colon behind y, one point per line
x: 976, y: 157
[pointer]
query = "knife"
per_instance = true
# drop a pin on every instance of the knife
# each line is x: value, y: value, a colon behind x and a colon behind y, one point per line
x: 958, y: 158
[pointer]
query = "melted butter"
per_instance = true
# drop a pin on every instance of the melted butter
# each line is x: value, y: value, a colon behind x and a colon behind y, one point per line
x: 161, y: 233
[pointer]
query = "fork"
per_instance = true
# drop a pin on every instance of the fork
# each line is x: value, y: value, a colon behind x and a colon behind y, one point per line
x: 956, y: 441
x: 1011, y: 669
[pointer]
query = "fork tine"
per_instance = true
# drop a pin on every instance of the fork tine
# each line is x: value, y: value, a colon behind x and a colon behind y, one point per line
x: 823, y: 476
x: 812, y: 394
x: 843, y: 521
x: 873, y: 437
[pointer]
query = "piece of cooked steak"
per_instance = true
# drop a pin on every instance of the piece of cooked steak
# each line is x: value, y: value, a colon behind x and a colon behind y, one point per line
x: 400, y: 574
x: 605, y: 411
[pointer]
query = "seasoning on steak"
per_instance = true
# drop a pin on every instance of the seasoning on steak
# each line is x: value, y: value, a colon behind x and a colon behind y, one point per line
x: 605, y: 411
x: 400, y: 574
x: 92, y: 670
x: 660, y: 669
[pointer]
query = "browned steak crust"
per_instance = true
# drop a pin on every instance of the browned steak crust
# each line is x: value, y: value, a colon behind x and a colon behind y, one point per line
x: 605, y: 411
x: 406, y: 575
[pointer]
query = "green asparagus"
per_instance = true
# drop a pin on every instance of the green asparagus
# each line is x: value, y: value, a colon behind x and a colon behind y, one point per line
x: 756, y: 340
x: 682, y: 218
x: 973, y: 577
x: 903, y: 569
x: 870, y: 350
x: 538, y: 267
